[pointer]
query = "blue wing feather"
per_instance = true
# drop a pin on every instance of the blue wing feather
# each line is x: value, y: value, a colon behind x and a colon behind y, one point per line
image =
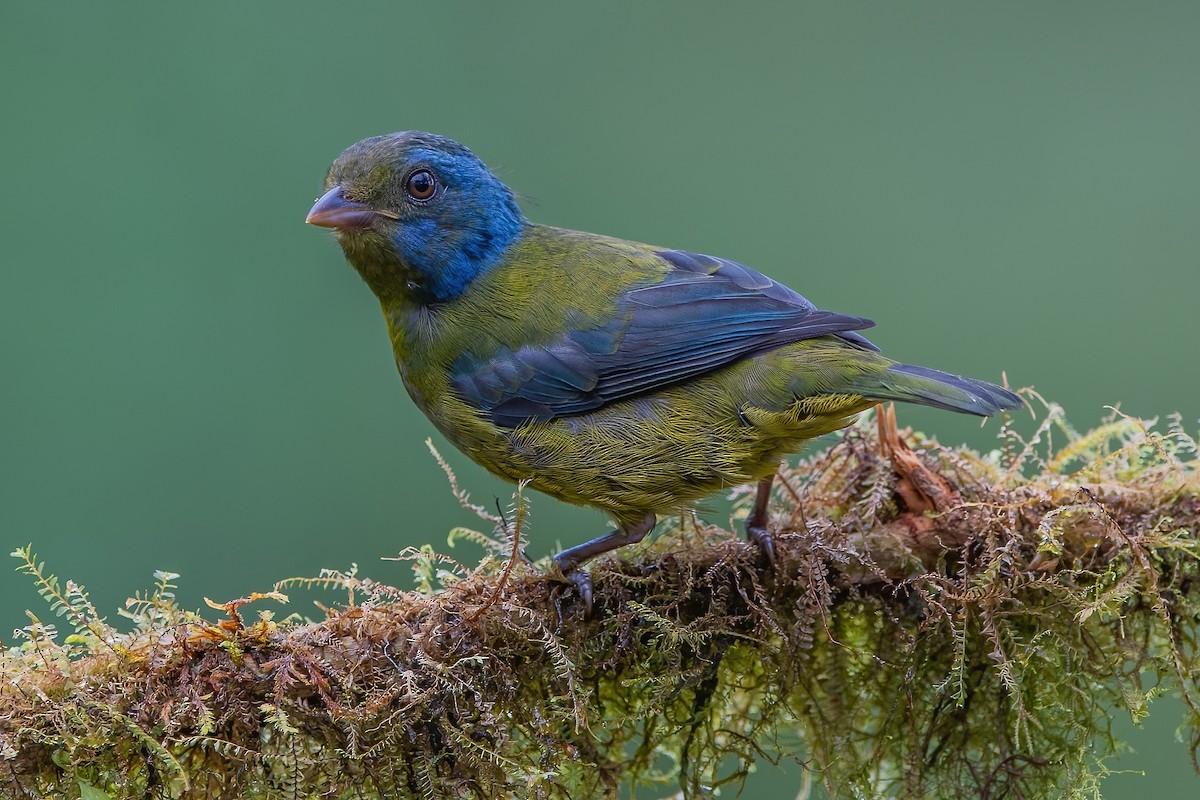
x: 706, y: 313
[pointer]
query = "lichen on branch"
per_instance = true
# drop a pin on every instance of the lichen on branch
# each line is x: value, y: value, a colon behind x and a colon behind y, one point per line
x: 938, y: 623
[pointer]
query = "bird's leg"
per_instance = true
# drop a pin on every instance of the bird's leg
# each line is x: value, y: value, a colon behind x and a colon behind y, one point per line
x: 756, y: 524
x: 569, y: 560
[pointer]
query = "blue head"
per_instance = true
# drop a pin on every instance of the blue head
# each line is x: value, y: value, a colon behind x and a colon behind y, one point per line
x: 418, y: 215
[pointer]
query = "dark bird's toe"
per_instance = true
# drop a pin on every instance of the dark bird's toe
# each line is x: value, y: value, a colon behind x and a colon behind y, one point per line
x: 763, y: 540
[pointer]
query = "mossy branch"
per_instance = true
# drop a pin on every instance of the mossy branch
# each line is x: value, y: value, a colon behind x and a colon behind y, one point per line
x: 939, y: 623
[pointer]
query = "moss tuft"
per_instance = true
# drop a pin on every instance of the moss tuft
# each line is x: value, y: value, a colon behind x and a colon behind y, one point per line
x: 939, y: 623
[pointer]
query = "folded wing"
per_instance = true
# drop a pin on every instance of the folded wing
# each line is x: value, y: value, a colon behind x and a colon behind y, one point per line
x: 704, y: 314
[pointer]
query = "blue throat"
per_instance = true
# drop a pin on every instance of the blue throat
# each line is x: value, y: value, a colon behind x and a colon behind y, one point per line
x: 451, y: 249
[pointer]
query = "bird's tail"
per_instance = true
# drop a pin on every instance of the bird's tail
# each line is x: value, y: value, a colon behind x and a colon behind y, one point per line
x: 931, y: 387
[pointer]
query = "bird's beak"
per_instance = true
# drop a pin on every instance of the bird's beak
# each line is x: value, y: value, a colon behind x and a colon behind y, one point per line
x: 333, y: 210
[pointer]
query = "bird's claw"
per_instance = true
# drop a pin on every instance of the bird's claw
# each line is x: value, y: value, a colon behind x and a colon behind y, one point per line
x: 581, y: 579
x: 762, y: 538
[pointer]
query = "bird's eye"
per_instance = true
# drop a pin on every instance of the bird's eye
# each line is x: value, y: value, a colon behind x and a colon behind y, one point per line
x: 421, y: 185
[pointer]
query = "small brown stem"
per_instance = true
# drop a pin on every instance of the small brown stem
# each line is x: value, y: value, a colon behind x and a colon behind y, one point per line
x: 512, y: 559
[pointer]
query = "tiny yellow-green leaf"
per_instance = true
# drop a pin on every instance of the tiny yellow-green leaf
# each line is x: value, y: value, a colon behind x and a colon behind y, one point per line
x: 89, y: 792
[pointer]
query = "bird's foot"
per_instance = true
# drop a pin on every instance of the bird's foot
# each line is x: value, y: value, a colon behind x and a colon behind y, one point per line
x: 762, y: 538
x: 756, y: 524
x: 568, y: 560
x: 578, y: 577
x: 581, y: 579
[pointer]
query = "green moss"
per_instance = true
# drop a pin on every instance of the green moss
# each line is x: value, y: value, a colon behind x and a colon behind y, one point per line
x: 979, y: 650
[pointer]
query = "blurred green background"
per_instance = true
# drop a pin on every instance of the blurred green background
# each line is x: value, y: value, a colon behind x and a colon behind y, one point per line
x: 194, y: 380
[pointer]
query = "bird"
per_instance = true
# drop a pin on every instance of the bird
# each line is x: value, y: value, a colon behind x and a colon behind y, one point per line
x: 628, y: 377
